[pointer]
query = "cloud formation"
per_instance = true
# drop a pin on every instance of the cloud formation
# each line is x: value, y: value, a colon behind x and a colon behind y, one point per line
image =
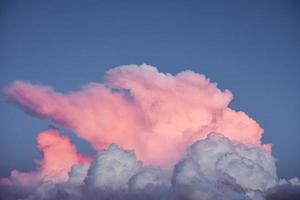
x: 59, y: 155
x: 215, y: 168
x: 212, y: 169
x: 155, y: 134
x: 140, y: 108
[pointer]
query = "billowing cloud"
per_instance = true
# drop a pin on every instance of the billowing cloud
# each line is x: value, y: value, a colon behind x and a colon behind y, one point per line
x: 142, y: 109
x: 59, y: 155
x: 141, y: 122
x: 215, y: 167
x: 285, y: 190
x: 212, y: 169
x: 112, y: 168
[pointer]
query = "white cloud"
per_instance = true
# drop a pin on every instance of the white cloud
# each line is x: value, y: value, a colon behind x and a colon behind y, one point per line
x: 216, y: 166
x: 212, y: 169
x: 112, y: 168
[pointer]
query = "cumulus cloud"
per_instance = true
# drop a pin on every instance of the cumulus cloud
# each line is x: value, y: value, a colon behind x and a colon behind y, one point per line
x: 140, y: 108
x: 147, y: 178
x: 78, y: 173
x: 212, y: 169
x: 285, y: 190
x: 141, y: 122
x: 59, y: 155
x: 112, y: 169
x: 215, y: 167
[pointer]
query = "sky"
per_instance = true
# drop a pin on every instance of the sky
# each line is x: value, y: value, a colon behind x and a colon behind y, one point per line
x: 249, y: 47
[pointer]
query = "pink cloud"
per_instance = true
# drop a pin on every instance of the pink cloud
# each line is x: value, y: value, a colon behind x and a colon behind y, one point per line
x: 59, y: 155
x: 140, y: 108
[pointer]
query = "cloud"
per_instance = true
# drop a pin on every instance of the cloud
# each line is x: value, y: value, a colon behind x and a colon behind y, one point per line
x: 59, y: 155
x: 112, y: 169
x: 148, y: 177
x: 153, y: 133
x: 285, y: 190
x: 78, y: 173
x: 214, y: 168
x: 140, y: 108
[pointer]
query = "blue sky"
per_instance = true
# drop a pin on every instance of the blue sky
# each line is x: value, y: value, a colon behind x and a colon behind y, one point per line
x: 249, y: 47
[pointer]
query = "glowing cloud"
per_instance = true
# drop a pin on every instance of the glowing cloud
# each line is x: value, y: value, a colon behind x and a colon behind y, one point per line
x: 212, y: 169
x: 59, y: 155
x: 157, y: 117
x: 142, y: 109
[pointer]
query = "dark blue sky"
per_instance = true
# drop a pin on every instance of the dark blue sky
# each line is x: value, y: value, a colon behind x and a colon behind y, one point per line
x: 249, y: 47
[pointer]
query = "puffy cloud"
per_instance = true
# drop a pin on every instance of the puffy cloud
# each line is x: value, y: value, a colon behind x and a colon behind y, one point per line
x: 148, y: 178
x: 285, y: 190
x: 158, y: 116
x: 78, y: 174
x: 216, y: 168
x: 54, y: 167
x: 206, y: 172
x: 112, y: 168
x: 59, y: 155
x: 140, y: 108
x: 114, y: 173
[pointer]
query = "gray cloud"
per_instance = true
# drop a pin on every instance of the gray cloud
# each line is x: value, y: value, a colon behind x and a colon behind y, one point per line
x: 212, y: 169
